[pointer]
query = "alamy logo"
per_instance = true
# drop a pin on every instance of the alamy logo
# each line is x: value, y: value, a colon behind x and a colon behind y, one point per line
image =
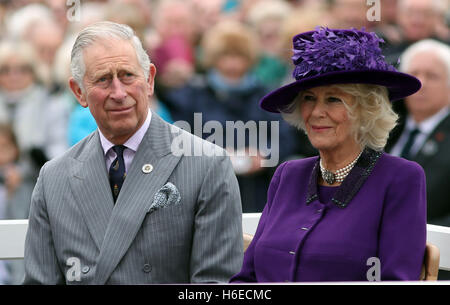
x: 374, y: 272
x: 249, y: 139
x: 73, y: 274
x: 374, y: 12
x: 74, y: 10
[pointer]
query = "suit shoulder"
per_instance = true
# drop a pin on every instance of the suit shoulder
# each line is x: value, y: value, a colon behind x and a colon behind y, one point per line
x: 299, y: 164
x: 60, y: 162
x: 187, y: 144
x: 293, y: 168
x: 445, y: 124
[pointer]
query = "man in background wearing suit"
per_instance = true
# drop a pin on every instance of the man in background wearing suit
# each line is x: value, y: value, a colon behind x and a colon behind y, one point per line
x: 424, y: 133
x: 120, y: 207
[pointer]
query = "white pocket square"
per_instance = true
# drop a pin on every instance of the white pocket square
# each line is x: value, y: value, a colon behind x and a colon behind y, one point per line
x: 165, y: 196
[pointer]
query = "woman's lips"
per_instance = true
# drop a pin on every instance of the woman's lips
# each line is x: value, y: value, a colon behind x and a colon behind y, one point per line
x: 320, y: 128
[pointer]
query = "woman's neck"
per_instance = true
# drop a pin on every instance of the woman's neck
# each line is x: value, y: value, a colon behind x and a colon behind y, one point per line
x: 335, y: 159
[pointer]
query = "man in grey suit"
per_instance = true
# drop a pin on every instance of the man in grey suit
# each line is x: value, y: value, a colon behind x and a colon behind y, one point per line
x: 123, y: 206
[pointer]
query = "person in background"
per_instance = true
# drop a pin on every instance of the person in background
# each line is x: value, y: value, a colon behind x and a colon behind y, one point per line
x: 174, y: 52
x: 416, y: 20
x: 15, y: 197
x: 15, y: 193
x: 299, y: 20
x: 125, y: 12
x: 348, y: 14
x: 145, y: 7
x: 208, y: 13
x: 38, y: 123
x: 3, y: 9
x: 21, y: 16
x: 45, y: 37
x: 230, y: 92
x: 59, y: 11
x: 387, y: 26
x: 423, y: 133
x: 328, y: 216
x: 267, y: 18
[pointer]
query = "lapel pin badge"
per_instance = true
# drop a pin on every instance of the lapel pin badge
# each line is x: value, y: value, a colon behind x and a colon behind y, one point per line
x: 430, y: 148
x: 147, y: 168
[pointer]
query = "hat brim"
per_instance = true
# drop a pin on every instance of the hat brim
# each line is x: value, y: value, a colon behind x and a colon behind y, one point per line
x: 399, y: 85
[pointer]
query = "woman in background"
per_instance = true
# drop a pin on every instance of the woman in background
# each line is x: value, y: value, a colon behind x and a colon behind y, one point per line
x: 229, y: 91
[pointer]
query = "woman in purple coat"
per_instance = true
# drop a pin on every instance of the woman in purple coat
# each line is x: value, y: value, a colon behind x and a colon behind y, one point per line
x: 353, y: 213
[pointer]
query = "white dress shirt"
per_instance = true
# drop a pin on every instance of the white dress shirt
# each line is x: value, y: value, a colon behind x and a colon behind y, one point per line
x: 131, y: 145
x: 426, y: 127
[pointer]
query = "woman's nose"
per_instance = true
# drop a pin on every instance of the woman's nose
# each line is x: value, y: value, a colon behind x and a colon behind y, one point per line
x: 319, y: 108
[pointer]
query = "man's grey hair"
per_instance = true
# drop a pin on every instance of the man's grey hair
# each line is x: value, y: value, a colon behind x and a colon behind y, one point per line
x: 102, y: 30
x: 441, y: 50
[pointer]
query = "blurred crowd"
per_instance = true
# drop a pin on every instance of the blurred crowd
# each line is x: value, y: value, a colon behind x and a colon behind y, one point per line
x: 214, y: 57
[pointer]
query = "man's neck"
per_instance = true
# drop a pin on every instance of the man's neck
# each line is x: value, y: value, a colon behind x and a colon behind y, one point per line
x: 132, y: 141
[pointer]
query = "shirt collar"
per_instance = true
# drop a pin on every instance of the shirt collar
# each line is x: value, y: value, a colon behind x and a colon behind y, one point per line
x: 427, y: 126
x: 133, y: 142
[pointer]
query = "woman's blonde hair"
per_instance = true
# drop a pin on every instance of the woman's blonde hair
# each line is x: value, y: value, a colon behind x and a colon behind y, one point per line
x: 372, y: 115
x: 229, y: 37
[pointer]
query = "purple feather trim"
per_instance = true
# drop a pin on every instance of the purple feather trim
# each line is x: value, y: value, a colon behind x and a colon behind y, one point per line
x: 337, y: 50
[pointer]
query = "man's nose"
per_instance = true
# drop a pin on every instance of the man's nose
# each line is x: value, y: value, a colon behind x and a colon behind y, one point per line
x: 118, y: 91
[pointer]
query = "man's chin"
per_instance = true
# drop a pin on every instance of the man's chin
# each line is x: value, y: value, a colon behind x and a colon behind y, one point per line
x: 121, y: 133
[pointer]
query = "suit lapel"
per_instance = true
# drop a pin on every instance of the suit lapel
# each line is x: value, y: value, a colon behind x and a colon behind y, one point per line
x: 433, y: 143
x: 91, y: 189
x: 136, y: 196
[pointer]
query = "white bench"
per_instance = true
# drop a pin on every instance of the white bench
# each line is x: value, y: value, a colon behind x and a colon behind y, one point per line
x: 12, y: 238
x: 13, y: 232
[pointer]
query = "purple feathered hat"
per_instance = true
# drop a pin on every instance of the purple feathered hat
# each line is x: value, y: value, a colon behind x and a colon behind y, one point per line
x: 333, y: 56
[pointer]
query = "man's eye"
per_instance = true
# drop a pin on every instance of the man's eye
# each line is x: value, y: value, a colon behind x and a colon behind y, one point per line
x: 128, y: 76
x: 125, y: 74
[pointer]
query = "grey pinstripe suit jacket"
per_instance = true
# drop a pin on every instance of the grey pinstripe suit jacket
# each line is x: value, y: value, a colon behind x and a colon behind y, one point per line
x: 72, y: 215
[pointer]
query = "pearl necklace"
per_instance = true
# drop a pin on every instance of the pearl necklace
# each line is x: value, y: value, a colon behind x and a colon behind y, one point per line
x: 340, y: 174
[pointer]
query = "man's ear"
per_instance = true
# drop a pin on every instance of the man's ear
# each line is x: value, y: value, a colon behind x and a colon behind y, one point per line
x: 151, y: 79
x: 79, y: 94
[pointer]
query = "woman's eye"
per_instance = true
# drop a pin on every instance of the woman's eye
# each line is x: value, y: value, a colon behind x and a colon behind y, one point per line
x: 334, y: 99
x: 308, y: 98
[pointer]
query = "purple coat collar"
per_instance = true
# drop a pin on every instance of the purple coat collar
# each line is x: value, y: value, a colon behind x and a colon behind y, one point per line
x: 351, y: 184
